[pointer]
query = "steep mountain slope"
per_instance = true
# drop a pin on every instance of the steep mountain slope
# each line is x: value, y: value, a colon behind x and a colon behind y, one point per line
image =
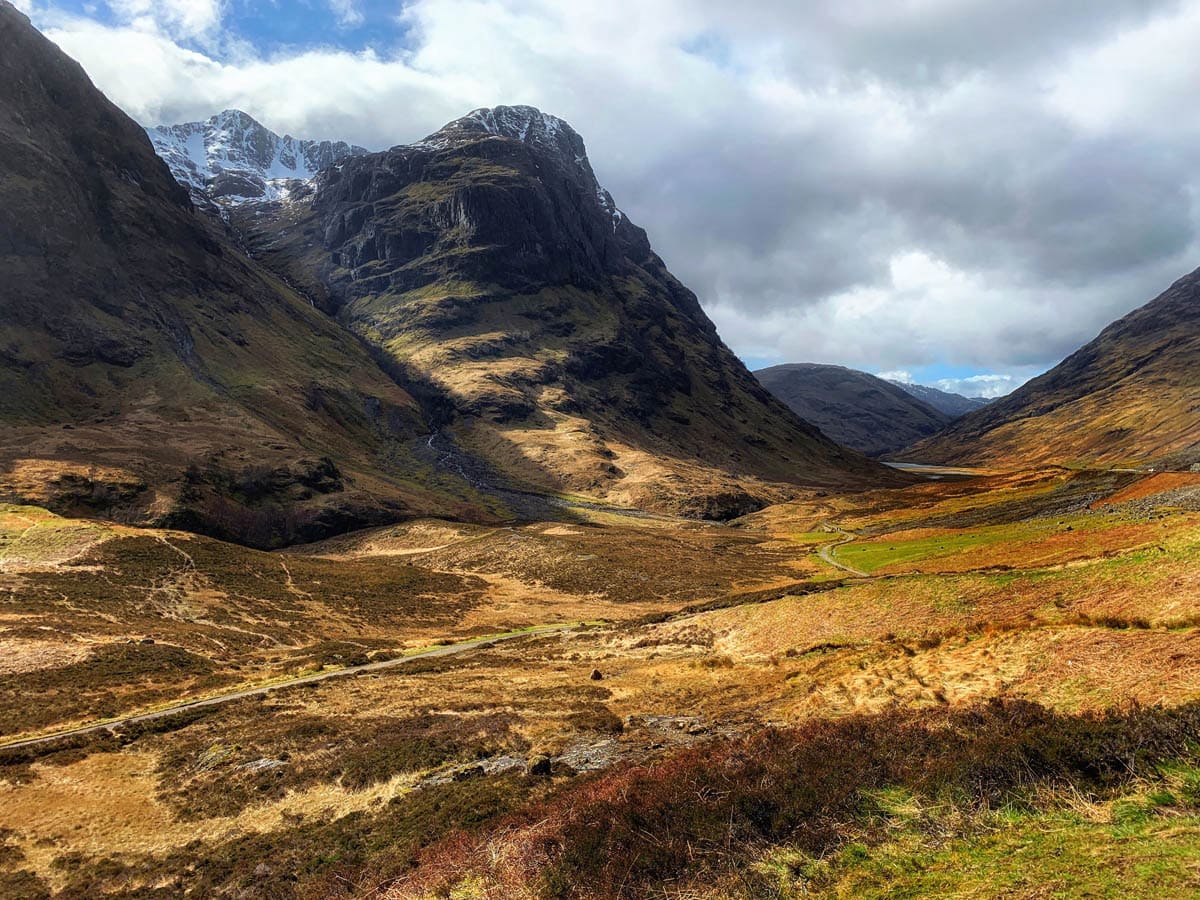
x: 953, y: 405
x: 856, y: 409
x: 150, y: 372
x: 232, y: 158
x: 488, y: 260
x: 1130, y: 397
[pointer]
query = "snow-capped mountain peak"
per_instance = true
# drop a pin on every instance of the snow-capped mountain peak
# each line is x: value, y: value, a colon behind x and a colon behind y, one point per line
x: 232, y: 158
x: 529, y: 125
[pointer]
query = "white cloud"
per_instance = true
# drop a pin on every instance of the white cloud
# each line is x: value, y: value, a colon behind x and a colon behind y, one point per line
x: 901, y: 375
x: 882, y: 189
x: 347, y: 12
x: 986, y: 386
x: 177, y: 18
x: 25, y: 6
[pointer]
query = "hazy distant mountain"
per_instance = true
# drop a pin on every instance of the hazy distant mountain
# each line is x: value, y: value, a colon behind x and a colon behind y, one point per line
x: 953, y: 405
x: 1130, y: 397
x: 853, y: 408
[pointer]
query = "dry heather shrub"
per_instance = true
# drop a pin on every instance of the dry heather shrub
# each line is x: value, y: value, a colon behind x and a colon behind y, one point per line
x: 695, y: 814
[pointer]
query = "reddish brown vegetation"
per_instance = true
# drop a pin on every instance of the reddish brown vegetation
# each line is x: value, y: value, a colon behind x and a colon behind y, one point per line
x: 691, y: 817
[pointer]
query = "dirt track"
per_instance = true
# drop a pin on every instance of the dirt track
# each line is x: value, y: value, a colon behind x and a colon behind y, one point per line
x: 448, y: 650
x: 826, y: 553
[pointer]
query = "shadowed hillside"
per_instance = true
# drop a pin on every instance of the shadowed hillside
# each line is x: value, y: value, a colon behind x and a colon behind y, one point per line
x: 853, y: 408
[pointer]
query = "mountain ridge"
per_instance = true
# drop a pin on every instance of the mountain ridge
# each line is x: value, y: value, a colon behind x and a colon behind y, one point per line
x: 232, y: 158
x: 854, y: 408
x: 152, y: 373
x: 952, y: 404
x: 488, y: 259
x: 1130, y: 397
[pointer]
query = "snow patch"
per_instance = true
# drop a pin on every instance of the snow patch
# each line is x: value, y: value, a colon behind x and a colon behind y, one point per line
x: 235, y: 159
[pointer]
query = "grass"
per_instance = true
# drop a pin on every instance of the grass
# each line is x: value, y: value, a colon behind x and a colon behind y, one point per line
x: 1057, y: 853
x: 129, y: 664
x: 1045, y: 541
x: 886, y: 759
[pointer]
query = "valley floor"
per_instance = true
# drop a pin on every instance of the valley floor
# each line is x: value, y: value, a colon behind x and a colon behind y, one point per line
x: 968, y: 687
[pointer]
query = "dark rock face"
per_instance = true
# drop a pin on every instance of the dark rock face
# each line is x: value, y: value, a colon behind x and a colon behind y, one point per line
x: 136, y: 343
x: 489, y: 260
x: 853, y: 408
x: 1130, y: 397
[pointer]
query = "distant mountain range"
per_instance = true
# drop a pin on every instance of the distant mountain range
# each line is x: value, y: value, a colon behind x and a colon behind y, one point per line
x: 953, y: 405
x: 874, y: 416
x: 435, y: 329
x: 1131, y: 397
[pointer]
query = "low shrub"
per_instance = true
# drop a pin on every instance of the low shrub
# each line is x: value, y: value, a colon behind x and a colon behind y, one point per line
x: 697, y: 813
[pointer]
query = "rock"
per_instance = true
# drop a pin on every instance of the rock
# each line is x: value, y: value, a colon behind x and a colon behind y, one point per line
x: 539, y: 766
x: 596, y: 675
x: 468, y: 773
x: 261, y: 764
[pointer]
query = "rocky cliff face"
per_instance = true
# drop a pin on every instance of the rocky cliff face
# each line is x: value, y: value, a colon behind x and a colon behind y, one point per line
x: 231, y: 158
x: 853, y: 408
x: 487, y: 260
x: 148, y: 370
x: 1130, y: 397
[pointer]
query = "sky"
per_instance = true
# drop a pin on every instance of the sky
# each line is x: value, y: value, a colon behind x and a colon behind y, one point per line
x: 955, y: 192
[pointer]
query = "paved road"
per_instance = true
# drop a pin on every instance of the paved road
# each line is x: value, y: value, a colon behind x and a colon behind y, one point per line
x: 826, y: 552
x: 448, y: 650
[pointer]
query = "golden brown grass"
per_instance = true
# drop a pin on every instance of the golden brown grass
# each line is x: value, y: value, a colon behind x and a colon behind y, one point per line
x: 1087, y: 619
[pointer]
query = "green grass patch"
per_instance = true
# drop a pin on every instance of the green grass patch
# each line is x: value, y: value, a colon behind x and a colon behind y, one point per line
x: 1053, y: 854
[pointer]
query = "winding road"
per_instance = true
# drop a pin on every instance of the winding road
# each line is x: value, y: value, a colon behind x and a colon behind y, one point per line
x: 448, y: 650
x: 826, y: 552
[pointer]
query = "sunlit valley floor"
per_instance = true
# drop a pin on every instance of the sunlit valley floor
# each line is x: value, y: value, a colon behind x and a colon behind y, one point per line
x: 966, y: 687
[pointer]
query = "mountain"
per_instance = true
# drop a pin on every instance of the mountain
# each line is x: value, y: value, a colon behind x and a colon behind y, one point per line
x: 853, y: 408
x: 231, y: 158
x: 1130, y: 397
x: 952, y: 405
x: 488, y: 262
x: 148, y: 370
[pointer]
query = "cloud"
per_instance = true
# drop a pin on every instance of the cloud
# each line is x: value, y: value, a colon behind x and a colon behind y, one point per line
x: 986, y: 386
x: 901, y: 375
x: 347, y: 12
x: 954, y: 182
x: 177, y: 18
